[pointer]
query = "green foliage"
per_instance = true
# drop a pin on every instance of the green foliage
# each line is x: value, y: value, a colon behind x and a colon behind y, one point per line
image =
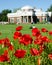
x: 3, y: 15
x: 8, y: 31
x: 50, y: 9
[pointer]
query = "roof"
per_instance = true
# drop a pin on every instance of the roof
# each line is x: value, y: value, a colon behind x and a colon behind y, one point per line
x: 26, y: 7
x: 20, y: 13
x: 41, y: 13
x: 13, y: 14
x: 25, y: 12
x: 38, y: 10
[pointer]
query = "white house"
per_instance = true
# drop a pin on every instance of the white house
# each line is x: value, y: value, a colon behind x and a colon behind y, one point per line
x: 28, y: 14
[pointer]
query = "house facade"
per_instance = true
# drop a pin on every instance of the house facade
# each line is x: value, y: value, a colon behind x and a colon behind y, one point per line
x: 28, y: 14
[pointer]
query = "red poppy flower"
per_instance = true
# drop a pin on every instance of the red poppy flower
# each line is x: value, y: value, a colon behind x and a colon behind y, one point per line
x: 6, y: 52
x: 36, y: 32
x: 38, y: 41
x: 19, y: 28
x: 20, y: 53
x: 11, y: 47
x: 42, y: 47
x: 6, y: 42
x: 44, y: 39
x: 26, y: 39
x: 1, y: 41
x: 4, y: 57
x: 41, y: 40
x: 44, y: 30
x: 50, y: 56
x: 50, y: 33
x: 34, y: 51
x: 17, y: 35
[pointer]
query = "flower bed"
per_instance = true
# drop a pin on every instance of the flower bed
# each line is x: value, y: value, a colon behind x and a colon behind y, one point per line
x: 26, y: 49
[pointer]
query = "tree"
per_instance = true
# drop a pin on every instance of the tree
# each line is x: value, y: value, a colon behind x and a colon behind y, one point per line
x: 3, y: 15
x: 0, y: 16
x: 50, y: 9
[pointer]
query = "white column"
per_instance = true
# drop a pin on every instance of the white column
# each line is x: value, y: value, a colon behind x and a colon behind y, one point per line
x: 31, y: 19
x: 20, y: 20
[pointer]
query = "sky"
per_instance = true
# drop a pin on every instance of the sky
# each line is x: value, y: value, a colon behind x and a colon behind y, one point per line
x: 13, y: 4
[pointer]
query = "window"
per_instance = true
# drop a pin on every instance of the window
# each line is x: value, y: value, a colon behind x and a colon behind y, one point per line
x: 18, y: 20
x: 11, y: 20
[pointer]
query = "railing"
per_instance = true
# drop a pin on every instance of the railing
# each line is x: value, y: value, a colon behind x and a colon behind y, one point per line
x: 2, y: 22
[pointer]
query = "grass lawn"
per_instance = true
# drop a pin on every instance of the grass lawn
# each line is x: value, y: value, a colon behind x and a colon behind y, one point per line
x: 8, y: 31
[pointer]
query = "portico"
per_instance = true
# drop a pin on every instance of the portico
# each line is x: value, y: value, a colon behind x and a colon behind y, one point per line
x: 25, y: 15
x: 26, y: 19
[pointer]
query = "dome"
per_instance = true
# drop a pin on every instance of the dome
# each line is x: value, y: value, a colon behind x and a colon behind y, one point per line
x: 26, y: 7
